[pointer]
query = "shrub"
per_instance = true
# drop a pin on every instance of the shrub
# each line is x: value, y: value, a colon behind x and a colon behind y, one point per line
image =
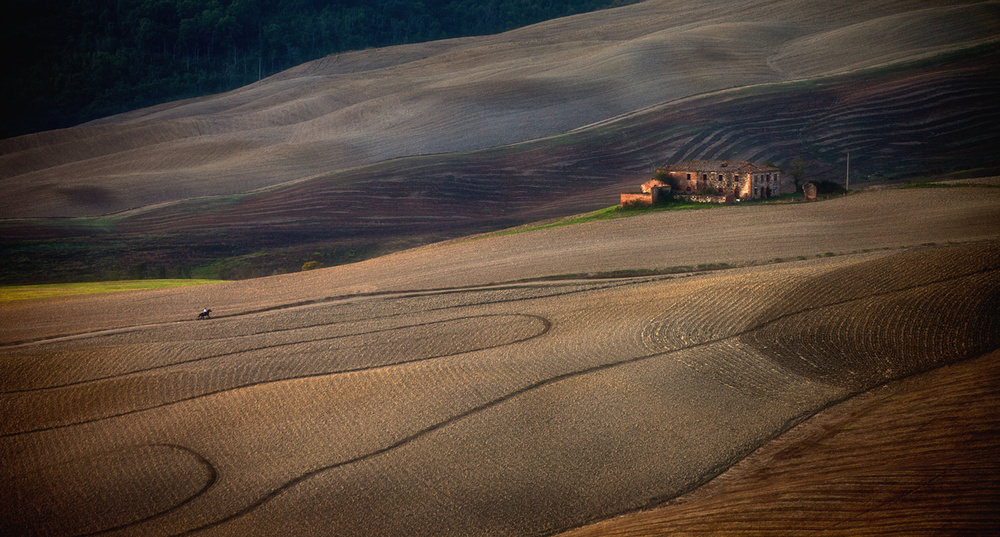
x: 826, y: 186
x: 312, y: 265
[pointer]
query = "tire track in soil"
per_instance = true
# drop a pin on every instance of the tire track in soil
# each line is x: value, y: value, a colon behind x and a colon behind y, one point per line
x: 10, y: 527
x: 547, y: 382
x: 517, y: 393
x: 545, y: 327
x: 913, y: 457
x: 393, y: 296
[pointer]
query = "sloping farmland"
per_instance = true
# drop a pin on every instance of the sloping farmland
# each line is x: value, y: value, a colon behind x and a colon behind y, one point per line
x: 428, y: 401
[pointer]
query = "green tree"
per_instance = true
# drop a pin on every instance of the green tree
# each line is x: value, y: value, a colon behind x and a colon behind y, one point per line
x: 798, y: 170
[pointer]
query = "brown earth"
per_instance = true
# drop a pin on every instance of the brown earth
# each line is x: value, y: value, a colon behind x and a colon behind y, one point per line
x: 884, y: 219
x: 912, y: 121
x: 434, y: 391
x: 915, y: 457
x: 395, y: 397
x: 635, y: 88
x: 370, y: 106
x: 925, y: 119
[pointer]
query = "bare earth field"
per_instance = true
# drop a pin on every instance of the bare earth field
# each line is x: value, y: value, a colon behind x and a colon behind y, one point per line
x: 407, y: 396
x: 935, y: 469
x: 921, y: 120
x: 359, y: 154
x: 824, y: 367
x: 364, y: 107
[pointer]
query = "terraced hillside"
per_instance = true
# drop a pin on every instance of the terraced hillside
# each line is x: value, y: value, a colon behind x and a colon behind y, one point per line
x: 428, y: 403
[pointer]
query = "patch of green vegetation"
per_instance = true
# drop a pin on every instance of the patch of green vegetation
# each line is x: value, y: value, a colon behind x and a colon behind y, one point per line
x: 787, y: 197
x: 83, y: 226
x: 936, y: 183
x: 608, y: 213
x: 11, y: 293
x: 95, y: 223
x: 634, y: 273
x: 311, y: 265
x: 284, y: 260
x: 615, y: 212
x: 926, y: 183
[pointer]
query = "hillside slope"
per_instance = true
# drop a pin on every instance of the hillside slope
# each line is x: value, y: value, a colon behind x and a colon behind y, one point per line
x: 924, y: 118
x: 369, y: 106
x: 737, y: 236
x: 406, y: 396
x: 933, y: 117
x: 916, y: 457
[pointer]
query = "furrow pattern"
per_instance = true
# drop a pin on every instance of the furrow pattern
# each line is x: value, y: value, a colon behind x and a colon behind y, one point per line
x: 308, y: 357
x: 632, y: 393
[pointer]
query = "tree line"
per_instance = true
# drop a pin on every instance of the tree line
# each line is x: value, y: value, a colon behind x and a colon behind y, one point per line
x: 70, y: 61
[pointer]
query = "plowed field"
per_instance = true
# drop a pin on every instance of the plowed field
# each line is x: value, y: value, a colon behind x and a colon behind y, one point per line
x: 370, y: 106
x: 359, y: 154
x: 432, y: 402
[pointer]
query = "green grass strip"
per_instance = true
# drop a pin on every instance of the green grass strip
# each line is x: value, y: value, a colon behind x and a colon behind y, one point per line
x: 29, y: 292
x: 608, y: 213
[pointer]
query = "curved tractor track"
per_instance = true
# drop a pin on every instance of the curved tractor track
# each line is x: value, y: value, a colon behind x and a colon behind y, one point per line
x: 914, y: 457
x: 489, y: 412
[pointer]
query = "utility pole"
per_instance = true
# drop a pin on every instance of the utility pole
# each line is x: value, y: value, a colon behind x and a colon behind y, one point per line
x: 847, y: 187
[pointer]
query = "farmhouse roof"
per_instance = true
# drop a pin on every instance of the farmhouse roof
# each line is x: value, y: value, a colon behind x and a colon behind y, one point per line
x: 739, y: 166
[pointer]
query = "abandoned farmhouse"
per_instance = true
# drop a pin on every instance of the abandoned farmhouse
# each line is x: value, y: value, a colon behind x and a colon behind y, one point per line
x: 713, y: 181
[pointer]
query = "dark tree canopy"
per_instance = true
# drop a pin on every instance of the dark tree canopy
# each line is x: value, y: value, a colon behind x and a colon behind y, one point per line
x: 70, y: 61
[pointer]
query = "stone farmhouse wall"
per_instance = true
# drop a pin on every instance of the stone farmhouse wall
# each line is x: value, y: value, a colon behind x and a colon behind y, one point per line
x: 705, y: 199
x: 651, y: 193
x: 744, y: 180
x: 636, y: 198
x: 732, y: 181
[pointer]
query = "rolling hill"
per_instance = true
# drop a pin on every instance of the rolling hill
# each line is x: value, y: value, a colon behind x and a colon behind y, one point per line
x: 823, y: 367
x: 440, y: 97
x: 456, y: 389
x: 416, y: 143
